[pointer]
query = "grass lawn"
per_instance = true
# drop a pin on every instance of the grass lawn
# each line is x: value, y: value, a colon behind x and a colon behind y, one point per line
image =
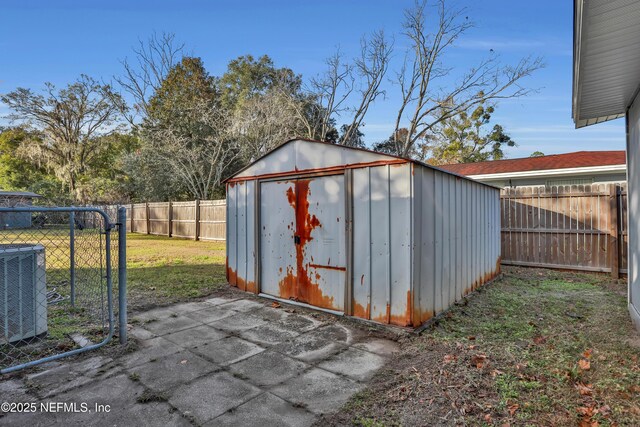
x: 160, y: 271
x: 164, y: 270
x: 536, y: 347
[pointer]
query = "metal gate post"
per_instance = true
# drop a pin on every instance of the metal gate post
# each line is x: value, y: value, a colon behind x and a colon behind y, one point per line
x: 122, y: 274
x: 72, y: 256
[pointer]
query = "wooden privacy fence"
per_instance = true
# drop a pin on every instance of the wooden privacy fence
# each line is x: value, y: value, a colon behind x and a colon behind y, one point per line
x: 578, y: 227
x: 198, y: 219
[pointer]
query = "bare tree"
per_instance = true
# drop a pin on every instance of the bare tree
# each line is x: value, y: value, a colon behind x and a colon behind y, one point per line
x: 143, y: 76
x: 425, y: 101
x: 201, y: 156
x: 371, y: 67
x: 330, y: 91
x: 266, y: 121
x: 70, y: 121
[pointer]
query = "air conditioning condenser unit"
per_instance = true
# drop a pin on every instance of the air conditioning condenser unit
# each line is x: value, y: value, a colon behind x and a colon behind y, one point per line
x: 23, y: 292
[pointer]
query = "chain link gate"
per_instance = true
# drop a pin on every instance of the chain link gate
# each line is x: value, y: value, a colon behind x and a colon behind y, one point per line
x: 57, y: 282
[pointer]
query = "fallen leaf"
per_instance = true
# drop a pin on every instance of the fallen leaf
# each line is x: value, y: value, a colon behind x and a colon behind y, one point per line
x: 513, y: 408
x: 539, y: 340
x: 488, y: 418
x: 587, y: 411
x: 183, y: 362
x: 584, y: 389
x: 479, y: 360
x: 587, y: 353
x: 604, y: 410
x: 275, y: 304
x: 448, y: 358
x: 584, y: 364
x: 471, y: 337
x: 496, y: 372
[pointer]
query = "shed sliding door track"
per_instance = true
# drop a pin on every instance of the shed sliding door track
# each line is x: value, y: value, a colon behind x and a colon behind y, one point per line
x: 302, y: 304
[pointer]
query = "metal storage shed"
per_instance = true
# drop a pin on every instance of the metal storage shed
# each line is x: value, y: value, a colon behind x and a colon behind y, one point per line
x: 360, y: 233
x: 16, y: 198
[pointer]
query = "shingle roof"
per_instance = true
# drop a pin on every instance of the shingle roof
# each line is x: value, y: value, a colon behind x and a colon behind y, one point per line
x: 579, y: 159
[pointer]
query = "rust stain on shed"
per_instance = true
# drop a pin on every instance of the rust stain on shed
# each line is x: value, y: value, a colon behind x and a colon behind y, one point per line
x: 328, y: 267
x: 398, y: 319
x: 232, y: 278
x: 298, y: 285
x: 360, y: 311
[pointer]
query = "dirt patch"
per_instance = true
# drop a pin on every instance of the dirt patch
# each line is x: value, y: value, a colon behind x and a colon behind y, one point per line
x: 429, y: 383
x: 536, y: 347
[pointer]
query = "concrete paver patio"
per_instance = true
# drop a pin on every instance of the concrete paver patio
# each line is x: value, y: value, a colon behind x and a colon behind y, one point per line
x: 222, y: 361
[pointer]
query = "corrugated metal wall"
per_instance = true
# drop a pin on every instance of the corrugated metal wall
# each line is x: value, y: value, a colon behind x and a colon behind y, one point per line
x: 457, y: 239
x: 241, y: 253
x: 381, y: 268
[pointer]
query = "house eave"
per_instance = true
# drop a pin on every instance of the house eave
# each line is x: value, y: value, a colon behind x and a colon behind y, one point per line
x: 606, y: 61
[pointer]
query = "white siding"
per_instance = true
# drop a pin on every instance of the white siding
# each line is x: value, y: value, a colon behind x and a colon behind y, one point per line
x: 633, y: 164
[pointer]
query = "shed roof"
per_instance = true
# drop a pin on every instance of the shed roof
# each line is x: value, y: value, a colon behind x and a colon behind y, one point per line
x: 28, y: 194
x: 578, y: 159
x: 606, y: 59
x: 304, y: 156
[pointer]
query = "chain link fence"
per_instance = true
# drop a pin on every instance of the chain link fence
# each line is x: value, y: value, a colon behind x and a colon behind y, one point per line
x: 58, y: 283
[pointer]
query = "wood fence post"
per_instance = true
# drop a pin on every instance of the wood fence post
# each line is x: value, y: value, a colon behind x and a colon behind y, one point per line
x: 146, y: 209
x: 613, y: 231
x: 131, y: 219
x: 170, y: 214
x: 197, y: 237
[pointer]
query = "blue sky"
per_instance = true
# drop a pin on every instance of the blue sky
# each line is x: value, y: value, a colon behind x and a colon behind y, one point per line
x: 58, y: 40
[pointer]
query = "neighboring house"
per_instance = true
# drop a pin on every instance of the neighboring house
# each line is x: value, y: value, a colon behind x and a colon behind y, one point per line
x: 581, y: 167
x: 606, y: 83
x: 16, y: 219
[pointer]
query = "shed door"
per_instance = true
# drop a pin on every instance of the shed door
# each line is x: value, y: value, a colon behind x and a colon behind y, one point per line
x: 277, y: 252
x: 303, y: 251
